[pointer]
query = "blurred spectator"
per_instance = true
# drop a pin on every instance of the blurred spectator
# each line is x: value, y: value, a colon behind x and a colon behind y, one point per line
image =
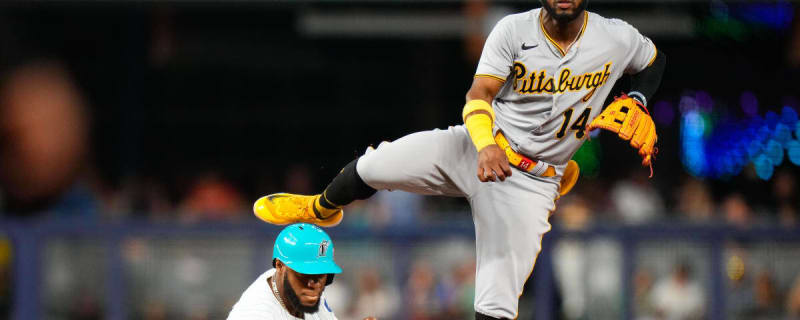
x: 642, y: 288
x: 400, y: 207
x: 787, y: 215
x: 71, y: 287
x: 784, y: 186
x: 420, y: 298
x: 587, y: 273
x: 736, y: 211
x: 750, y: 297
x: 767, y: 301
x: 739, y: 300
x: 604, y: 279
x: 387, y: 208
x: 635, y: 199
x: 573, y: 212
x: 155, y: 310
x: 474, y: 11
x: 373, y: 297
x: 481, y: 17
x: 340, y: 297
x: 140, y: 196
x: 678, y: 296
x: 694, y: 201
x: 457, y: 290
x: 784, y: 189
x: 185, y: 277
x: 360, y: 214
x: 45, y: 129
x: 569, y: 260
x: 569, y: 257
x: 793, y: 300
x: 192, y: 272
x: 212, y: 198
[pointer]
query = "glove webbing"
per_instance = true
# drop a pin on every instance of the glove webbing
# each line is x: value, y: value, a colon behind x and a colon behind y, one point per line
x: 655, y: 149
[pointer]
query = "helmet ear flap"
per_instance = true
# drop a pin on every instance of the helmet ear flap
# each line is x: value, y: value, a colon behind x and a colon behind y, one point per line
x: 330, y: 279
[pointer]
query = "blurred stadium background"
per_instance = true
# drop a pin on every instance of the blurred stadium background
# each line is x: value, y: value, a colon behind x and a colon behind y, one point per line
x: 136, y: 135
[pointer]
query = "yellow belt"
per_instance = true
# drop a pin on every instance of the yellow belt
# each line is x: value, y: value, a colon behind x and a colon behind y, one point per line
x: 521, y: 162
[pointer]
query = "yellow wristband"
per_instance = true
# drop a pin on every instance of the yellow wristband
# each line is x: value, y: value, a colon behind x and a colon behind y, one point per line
x: 477, y: 104
x: 479, y: 125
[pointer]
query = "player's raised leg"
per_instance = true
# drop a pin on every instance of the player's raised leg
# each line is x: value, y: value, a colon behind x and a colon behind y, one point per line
x: 510, y: 220
x: 284, y: 208
x: 435, y: 162
x: 428, y: 162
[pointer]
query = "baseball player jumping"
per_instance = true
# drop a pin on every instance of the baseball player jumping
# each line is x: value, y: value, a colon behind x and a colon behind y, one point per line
x: 539, y: 88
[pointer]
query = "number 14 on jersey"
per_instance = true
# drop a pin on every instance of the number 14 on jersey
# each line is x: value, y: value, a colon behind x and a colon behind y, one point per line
x: 579, y: 126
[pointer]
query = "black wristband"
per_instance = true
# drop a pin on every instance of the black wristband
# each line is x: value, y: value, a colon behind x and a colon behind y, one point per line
x: 646, y: 82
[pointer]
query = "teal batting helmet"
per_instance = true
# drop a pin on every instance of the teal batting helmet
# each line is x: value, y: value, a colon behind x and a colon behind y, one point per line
x: 306, y: 249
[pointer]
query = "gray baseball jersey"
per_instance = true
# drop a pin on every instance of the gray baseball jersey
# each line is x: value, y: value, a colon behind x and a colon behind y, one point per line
x: 549, y: 96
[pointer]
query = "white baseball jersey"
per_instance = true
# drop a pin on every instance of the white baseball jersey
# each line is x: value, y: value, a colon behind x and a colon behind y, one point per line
x: 259, y: 303
x: 551, y: 94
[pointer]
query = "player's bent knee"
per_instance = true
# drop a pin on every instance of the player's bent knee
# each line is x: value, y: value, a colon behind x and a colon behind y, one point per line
x: 367, y: 171
x: 374, y: 173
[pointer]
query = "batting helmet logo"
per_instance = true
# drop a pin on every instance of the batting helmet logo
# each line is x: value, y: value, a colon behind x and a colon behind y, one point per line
x: 323, y: 248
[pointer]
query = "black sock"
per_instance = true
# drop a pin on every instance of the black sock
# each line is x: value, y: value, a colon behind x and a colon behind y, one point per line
x: 481, y: 316
x: 345, y: 188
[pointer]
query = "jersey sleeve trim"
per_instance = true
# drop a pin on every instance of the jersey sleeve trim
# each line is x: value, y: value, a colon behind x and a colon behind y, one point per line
x: 653, y: 59
x: 483, y: 75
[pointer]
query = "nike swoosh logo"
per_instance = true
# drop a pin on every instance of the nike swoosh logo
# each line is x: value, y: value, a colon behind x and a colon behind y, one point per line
x: 524, y: 47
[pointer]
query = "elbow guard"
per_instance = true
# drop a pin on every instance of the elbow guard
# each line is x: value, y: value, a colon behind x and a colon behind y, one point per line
x: 479, y: 125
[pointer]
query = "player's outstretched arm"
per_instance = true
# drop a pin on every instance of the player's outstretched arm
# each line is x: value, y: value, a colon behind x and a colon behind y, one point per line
x: 479, y: 118
x: 645, y: 83
x: 628, y: 116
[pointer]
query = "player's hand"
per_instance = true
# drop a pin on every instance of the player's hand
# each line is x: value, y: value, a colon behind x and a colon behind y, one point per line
x: 493, y: 164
